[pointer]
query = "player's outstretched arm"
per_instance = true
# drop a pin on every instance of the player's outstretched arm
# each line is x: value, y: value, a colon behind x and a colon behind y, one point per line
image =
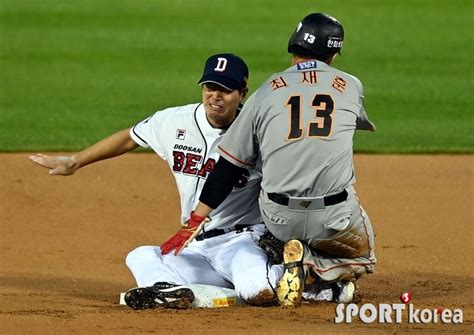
x: 57, y: 165
x: 112, y: 146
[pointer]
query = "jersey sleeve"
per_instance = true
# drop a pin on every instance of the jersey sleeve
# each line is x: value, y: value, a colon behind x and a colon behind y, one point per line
x: 238, y: 145
x: 147, y: 133
x: 362, y: 122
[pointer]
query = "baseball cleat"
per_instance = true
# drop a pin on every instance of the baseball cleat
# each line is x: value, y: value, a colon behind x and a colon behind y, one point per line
x: 161, y: 294
x: 344, y: 291
x: 291, y: 285
x: 318, y: 292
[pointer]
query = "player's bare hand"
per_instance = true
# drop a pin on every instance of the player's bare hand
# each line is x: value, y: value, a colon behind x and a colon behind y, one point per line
x: 57, y: 165
x: 186, y: 234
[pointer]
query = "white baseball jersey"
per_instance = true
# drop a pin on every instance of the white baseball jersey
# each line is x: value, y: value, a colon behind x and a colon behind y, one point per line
x: 183, y: 137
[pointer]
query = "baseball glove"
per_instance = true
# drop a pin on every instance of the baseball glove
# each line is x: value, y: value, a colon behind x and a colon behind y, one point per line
x: 273, y: 247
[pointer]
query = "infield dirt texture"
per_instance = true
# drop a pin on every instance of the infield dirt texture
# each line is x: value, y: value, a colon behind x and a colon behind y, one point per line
x: 64, y: 240
x: 73, y: 72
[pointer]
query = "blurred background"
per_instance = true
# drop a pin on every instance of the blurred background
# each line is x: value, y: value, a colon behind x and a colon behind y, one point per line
x: 73, y: 72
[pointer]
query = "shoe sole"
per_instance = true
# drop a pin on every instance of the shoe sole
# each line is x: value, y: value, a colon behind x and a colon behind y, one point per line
x: 291, y: 285
x: 146, y: 298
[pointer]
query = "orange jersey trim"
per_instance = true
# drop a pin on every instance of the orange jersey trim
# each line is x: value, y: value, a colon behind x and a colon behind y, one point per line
x: 339, y: 266
x: 234, y: 158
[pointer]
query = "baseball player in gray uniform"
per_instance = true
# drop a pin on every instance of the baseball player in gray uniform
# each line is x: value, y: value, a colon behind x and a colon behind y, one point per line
x: 300, y: 123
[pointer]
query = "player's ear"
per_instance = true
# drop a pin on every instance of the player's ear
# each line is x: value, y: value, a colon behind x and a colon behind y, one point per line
x: 243, y: 93
x: 332, y: 58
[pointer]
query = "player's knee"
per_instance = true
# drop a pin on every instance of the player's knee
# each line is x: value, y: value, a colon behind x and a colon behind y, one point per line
x: 265, y: 297
x: 254, y: 284
x: 255, y: 291
x: 138, y: 255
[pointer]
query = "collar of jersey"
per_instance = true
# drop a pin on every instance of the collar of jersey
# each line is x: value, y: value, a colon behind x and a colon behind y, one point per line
x: 320, y: 64
x: 206, y: 128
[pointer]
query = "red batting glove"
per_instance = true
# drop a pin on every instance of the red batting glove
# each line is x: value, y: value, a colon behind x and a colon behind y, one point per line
x: 186, y: 234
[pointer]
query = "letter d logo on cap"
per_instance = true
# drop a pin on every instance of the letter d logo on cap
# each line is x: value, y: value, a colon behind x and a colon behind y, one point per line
x: 221, y: 64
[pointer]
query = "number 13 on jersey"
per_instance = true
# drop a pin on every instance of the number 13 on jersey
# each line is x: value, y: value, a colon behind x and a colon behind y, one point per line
x: 322, y: 105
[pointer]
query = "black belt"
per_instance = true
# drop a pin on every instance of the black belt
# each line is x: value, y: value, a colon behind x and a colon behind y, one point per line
x: 218, y: 232
x: 328, y: 200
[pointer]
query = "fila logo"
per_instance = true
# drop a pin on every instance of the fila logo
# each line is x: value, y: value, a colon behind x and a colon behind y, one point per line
x: 221, y: 64
x: 180, y: 134
x: 305, y: 204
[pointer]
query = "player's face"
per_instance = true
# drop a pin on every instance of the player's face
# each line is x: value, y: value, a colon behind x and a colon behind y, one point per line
x: 220, y: 104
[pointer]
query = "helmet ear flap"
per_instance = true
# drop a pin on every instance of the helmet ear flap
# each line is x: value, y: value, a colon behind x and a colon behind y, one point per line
x: 317, y: 34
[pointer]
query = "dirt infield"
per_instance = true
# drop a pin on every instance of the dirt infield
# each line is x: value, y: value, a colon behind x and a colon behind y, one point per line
x: 64, y: 240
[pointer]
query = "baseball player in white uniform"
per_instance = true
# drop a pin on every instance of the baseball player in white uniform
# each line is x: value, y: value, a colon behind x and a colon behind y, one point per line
x: 300, y: 123
x: 226, y: 252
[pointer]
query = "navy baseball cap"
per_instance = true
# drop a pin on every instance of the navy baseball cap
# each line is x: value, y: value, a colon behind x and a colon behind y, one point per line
x: 227, y: 70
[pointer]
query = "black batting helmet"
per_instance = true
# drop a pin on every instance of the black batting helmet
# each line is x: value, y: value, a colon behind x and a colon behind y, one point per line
x: 317, y: 34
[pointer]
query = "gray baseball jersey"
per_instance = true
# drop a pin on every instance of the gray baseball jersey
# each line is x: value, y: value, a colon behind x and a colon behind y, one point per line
x: 311, y: 111
x: 301, y: 122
